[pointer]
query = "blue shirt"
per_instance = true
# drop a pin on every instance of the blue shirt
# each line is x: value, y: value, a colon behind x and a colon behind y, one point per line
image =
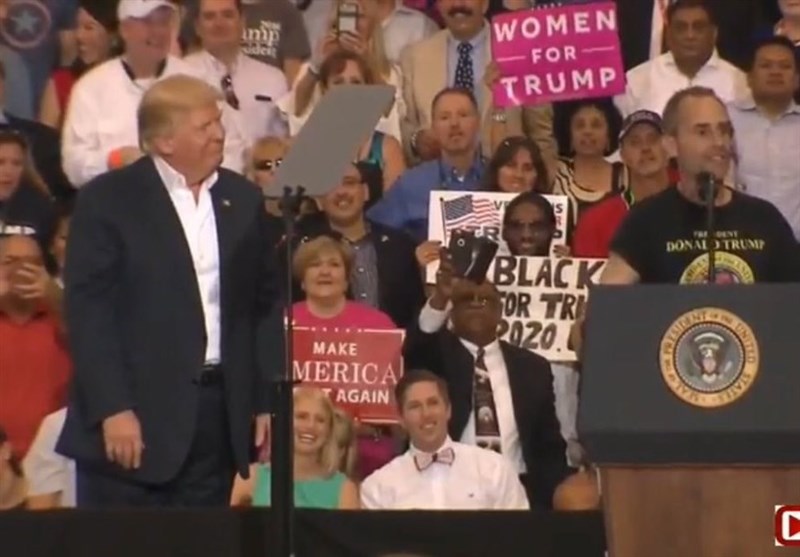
x: 480, y: 59
x: 769, y: 157
x: 405, y: 205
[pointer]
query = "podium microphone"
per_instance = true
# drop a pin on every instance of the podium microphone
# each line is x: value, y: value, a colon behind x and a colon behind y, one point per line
x: 707, y: 190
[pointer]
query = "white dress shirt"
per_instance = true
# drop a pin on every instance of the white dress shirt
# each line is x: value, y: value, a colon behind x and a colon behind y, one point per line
x: 652, y: 84
x: 200, y: 227
x: 501, y: 391
x: 478, y: 479
x: 47, y: 471
x: 390, y: 124
x: 101, y: 117
x: 403, y: 27
x: 258, y: 87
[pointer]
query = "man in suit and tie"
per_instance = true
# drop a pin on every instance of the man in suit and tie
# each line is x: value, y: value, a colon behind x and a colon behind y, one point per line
x: 167, y: 281
x: 459, y: 56
x: 502, y: 396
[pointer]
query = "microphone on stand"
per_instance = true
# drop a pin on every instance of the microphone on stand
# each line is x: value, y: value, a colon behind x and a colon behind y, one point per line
x: 707, y: 186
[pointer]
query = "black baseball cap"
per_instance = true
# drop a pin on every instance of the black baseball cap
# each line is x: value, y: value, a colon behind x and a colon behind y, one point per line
x: 641, y: 117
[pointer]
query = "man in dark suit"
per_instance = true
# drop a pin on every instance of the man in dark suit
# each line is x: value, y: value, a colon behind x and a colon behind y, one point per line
x: 44, y: 143
x: 737, y: 21
x: 167, y: 281
x: 502, y: 396
x: 385, y: 274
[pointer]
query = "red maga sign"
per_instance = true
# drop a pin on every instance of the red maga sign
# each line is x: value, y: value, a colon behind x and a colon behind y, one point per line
x: 357, y: 368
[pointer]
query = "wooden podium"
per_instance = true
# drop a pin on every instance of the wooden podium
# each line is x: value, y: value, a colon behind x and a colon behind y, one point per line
x: 690, y: 408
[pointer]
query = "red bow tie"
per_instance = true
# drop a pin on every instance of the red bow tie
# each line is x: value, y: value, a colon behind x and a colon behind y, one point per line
x: 424, y: 460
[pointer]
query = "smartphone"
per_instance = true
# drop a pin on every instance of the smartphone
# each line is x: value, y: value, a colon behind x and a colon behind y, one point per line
x: 472, y: 256
x: 347, y: 15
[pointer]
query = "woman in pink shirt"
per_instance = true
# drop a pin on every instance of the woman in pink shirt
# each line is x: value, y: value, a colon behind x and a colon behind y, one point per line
x: 322, y: 266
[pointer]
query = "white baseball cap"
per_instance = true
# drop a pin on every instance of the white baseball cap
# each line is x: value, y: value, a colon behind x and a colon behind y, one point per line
x: 138, y: 9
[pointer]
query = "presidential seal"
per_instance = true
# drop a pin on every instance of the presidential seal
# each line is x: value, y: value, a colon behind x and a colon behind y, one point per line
x: 709, y: 357
x: 730, y: 269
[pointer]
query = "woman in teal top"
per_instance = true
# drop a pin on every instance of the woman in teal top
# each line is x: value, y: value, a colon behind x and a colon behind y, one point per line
x: 318, y: 482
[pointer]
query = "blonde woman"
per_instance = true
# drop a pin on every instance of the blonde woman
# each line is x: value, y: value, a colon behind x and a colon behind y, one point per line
x: 367, y: 42
x: 318, y: 483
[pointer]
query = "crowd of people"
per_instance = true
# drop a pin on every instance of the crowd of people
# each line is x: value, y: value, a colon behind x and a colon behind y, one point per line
x: 142, y: 247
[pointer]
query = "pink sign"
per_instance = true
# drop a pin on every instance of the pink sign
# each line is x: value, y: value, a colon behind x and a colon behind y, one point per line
x: 557, y: 54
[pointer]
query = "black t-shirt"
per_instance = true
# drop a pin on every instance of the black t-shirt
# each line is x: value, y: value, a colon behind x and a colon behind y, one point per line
x: 28, y: 212
x: 664, y: 239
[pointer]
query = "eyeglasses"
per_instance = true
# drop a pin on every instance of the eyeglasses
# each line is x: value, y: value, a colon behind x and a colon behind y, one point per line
x: 268, y: 164
x: 227, y: 90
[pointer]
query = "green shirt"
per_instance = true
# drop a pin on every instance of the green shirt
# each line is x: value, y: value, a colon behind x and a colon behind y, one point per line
x: 321, y: 493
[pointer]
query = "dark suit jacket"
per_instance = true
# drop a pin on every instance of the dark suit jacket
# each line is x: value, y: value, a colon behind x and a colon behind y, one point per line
x: 531, y: 382
x: 45, y: 145
x: 135, y: 319
x: 737, y: 20
x: 400, y: 290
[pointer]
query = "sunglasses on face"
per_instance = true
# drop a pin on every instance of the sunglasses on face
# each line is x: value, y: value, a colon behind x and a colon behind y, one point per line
x: 267, y: 164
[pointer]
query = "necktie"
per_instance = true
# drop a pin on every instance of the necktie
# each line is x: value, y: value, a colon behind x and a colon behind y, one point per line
x: 487, y: 429
x: 465, y: 75
x: 424, y: 460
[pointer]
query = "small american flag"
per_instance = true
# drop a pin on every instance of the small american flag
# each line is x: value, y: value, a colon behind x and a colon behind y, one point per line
x: 466, y: 211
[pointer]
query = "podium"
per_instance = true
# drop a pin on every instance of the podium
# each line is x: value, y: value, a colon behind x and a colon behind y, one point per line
x: 690, y: 408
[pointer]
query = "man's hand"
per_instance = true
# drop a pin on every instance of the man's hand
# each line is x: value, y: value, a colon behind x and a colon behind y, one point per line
x: 426, y: 145
x: 427, y: 252
x: 122, y: 436
x: 445, y: 280
x: 31, y: 282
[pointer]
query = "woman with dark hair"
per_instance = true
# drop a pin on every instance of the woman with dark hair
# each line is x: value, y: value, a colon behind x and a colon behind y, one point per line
x: 95, y: 33
x: 517, y: 166
x: 13, y: 487
x: 587, y: 132
x: 529, y: 225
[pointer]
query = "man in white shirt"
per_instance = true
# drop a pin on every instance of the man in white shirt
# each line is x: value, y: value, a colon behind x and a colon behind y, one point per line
x: 437, y: 473
x: 51, y: 476
x: 250, y: 87
x: 692, y: 60
x: 100, y: 130
x: 402, y: 26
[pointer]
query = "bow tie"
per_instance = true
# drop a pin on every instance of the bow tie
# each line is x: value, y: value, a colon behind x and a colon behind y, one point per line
x: 424, y: 460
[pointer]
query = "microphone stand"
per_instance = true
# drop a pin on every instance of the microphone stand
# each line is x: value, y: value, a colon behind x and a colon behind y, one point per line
x: 281, y: 543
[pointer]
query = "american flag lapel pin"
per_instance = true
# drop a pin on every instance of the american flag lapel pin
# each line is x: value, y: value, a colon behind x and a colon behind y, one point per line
x: 226, y: 203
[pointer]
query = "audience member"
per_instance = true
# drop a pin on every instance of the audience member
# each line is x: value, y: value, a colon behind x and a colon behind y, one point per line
x: 366, y: 42
x: 459, y: 57
x: 529, y: 225
x: 517, y: 166
x: 44, y: 143
x: 168, y: 260
x: 41, y: 32
x: 51, y: 476
x: 18, y: 95
x: 58, y: 245
x: 97, y: 41
x: 34, y: 365
x: 587, y: 133
x: 100, y: 130
x: 789, y: 24
x: 402, y: 26
x: 383, y: 152
x: 692, y: 60
x: 768, y: 129
x: 25, y: 204
x: 13, y: 486
x: 250, y: 87
x: 383, y: 258
x: 645, y: 158
x: 502, y: 395
x: 274, y: 33
x: 437, y: 473
x: 458, y: 167
x: 663, y: 239
x: 318, y: 481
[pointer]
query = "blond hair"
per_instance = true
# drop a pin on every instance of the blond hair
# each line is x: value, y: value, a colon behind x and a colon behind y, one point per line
x: 344, y: 431
x: 309, y: 251
x: 258, y: 146
x: 30, y: 173
x: 329, y: 453
x: 167, y: 101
